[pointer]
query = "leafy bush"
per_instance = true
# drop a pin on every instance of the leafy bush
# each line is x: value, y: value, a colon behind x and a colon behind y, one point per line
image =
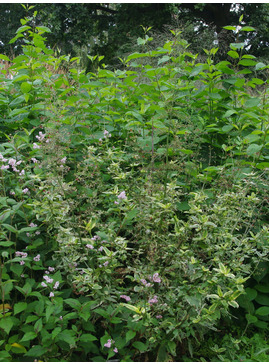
x: 133, y: 206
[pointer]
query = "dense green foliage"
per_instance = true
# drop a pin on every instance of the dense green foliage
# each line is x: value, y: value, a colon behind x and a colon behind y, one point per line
x: 111, y: 29
x: 134, y: 205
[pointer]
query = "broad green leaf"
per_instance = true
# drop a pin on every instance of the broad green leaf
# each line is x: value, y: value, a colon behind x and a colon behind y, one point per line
x: 251, y: 294
x: 261, y: 324
x: 251, y: 319
x: 38, y: 325
x: 260, y: 66
x: 19, y: 307
x: 5, y: 58
x: 230, y: 27
x: 87, y: 338
x: 23, y: 29
x: 140, y: 346
x: 253, y: 102
x: 6, y: 324
x: 233, y: 54
x: 29, y: 336
x: 25, y: 87
x: 262, y: 299
x: 237, y: 46
x: 262, y: 311
x: 247, y: 62
x: 37, y: 351
x: 130, y: 335
x: 247, y: 29
x: 68, y: 336
x: 253, y: 149
x: 10, y: 228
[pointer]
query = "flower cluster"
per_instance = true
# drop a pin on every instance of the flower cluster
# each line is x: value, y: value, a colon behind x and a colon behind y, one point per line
x: 146, y: 284
x: 126, y: 298
x: 49, y: 280
x: 11, y: 163
x: 109, y: 343
x: 153, y: 300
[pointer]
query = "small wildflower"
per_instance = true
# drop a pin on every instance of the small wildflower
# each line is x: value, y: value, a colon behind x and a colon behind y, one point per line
x: 28, y: 234
x: 43, y: 284
x: 51, y: 294
x: 12, y: 162
x: 153, y: 300
x: 159, y: 317
x: 12, y: 193
x: 25, y: 190
x: 105, y: 263
x: 22, y: 275
x: 89, y: 246
x: 37, y: 258
x: 100, y: 249
x: 122, y: 196
x: 48, y: 279
x: 126, y: 298
x: 22, y: 173
x: 63, y: 160
x: 32, y: 224
x: 51, y: 269
x: 108, y: 343
x: 47, y: 272
x: 56, y: 285
x: 115, y: 350
x: 116, y: 202
x: 34, y: 160
x: 156, y: 278
x: 37, y: 232
x: 4, y: 167
x: 41, y: 136
x: 35, y: 146
x: 22, y: 262
x: 100, y: 139
x: 61, y: 317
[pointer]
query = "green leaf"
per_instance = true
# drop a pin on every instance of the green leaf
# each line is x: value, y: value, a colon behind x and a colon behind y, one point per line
x: 38, y: 325
x: 261, y: 324
x: 25, y: 87
x: 247, y: 29
x: 253, y: 149
x: 230, y: 27
x: 253, y: 102
x: 73, y: 303
x: 23, y: 29
x: 260, y: 66
x: 140, y: 346
x: 237, y: 45
x: 87, y: 338
x: 10, y: 228
x: 130, y: 335
x: 68, y: 336
x: 28, y: 336
x: 49, y: 311
x: 251, y: 319
x: 6, y: 324
x: 19, y: 307
x: 37, y: 351
x: 233, y: 54
x: 262, y: 311
x: 247, y: 62
x: 5, y: 58
x: 251, y: 294
x: 262, y: 299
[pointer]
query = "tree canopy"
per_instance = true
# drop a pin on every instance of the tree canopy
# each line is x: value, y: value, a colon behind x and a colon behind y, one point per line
x: 110, y: 29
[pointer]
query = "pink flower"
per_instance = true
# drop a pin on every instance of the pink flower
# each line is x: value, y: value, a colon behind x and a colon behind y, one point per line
x: 108, y: 343
x: 56, y: 285
x: 51, y: 269
x: 41, y: 136
x: 153, y: 300
x: 116, y: 202
x: 12, y: 162
x: 89, y: 246
x: 4, y: 167
x: 63, y: 160
x: 35, y: 146
x: 156, y: 278
x: 122, y: 196
x: 126, y: 298
x: 37, y: 258
x: 159, y: 317
x: 32, y: 224
x: 34, y: 160
x: 51, y: 294
x: 43, y: 284
x: 22, y: 173
x: 105, y: 263
x: 25, y: 190
x: 115, y: 350
x: 22, y: 262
